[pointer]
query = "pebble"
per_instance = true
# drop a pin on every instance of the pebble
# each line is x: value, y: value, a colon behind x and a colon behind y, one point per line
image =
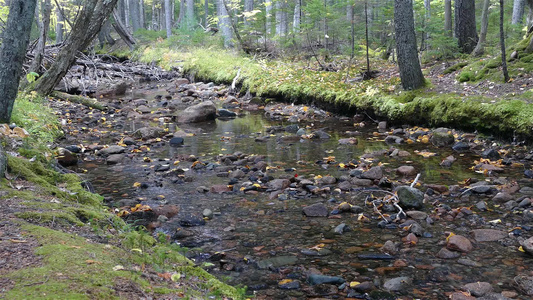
x: 478, y: 289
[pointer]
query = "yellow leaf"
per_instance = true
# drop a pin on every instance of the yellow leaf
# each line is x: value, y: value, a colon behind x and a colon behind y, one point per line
x: 354, y: 283
x: 137, y: 184
x: 176, y: 162
x: 449, y: 236
x: 285, y: 281
x: 521, y: 249
x: 137, y: 250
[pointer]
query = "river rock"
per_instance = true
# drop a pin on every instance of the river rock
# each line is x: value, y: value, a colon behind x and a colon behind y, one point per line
x: 146, y: 133
x: 490, y: 154
x: 410, y: 198
x: 442, y: 138
x: 316, y: 210
x: 406, y: 171
x: 461, y: 146
x: 190, y: 221
x: 373, y: 173
x: 293, y: 128
x: 392, y: 139
x: 327, y: 180
x: 315, y: 279
x: 278, y: 184
x: 348, y: 141
x: 176, y: 141
x: 289, y: 285
x: 501, y: 197
x: 524, y: 284
x: 115, y: 149
x: 397, y: 284
x: 447, y: 254
x: 461, y: 296
x: 478, y: 289
x: 417, y: 215
x: 390, y: 248
x: 361, y: 182
x: 180, y: 81
x: 459, y: 243
x: 220, y: 188
x: 277, y: 262
x: 528, y: 245
x: 320, y: 134
x: 224, y: 113
x: 488, y: 235
x: 207, y: 213
x: 114, y: 159
x: 66, y: 157
x: 201, y: 112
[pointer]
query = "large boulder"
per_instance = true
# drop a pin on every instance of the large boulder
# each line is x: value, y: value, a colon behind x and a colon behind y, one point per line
x: 201, y: 112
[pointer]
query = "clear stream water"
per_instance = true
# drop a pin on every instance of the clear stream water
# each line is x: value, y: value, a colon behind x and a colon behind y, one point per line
x: 252, y: 227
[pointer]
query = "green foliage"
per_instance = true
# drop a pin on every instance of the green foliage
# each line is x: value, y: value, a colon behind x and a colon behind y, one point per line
x: 466, y: 76
x: 455, y: 67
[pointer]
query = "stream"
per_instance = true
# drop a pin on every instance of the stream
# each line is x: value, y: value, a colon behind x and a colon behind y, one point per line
x: 237, y: 193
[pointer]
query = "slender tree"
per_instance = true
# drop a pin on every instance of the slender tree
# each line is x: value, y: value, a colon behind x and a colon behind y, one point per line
x: 448, y: 17
x: 168, y: 18
x: 518, y: 11
x: 15, y: 39
x: 59, y: 25
x: 189, y: 15
x: 480, y: 47
x: 224, y: 24
x: 404, y: 25
x: 502, y: 44
x: 44, y: 25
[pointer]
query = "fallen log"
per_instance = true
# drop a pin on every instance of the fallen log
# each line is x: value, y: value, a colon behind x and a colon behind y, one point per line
x: 89, y: 102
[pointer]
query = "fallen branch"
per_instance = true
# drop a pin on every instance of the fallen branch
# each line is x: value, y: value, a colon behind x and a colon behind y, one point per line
x: 89, y: 102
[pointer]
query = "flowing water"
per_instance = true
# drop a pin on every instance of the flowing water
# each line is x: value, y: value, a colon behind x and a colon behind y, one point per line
x: 252, y: 228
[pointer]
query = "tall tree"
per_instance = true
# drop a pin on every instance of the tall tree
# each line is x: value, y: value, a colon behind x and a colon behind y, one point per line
x: 281, y: 18
x: 465, y: 25
x: 15, y: 39
x: 502, y: 44
x: 168, y: 18
x: 59, y: 25
x: 44, y: 25
x: 297, y: 16
x: 189, y: 15
x: 404, y: 25
x: 268, y: 16
x: 518, y: 11
x: 480, y: 47
x: 135, y: 15
x: 87, y: 25
x: 224, y: 24
x: 448, y: 17
x: 248, y: 7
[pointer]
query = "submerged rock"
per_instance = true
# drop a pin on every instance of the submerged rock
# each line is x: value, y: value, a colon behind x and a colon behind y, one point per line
x: 315, y: 279
x: 277, y: 262
x: 316, y: 210
x: 410, y: 198
x: 397, y: 284
x: 488, y: 235
x: 459, y: 243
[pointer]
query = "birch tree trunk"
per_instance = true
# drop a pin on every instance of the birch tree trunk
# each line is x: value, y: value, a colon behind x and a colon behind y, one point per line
x: 135, y: 14
x: 181, y: 16
x: 297, y: 17
x: 248, y: 7
x: 206, y: 12
x: 268, y: 12
x: 480, y: 47
x: 189, y: 15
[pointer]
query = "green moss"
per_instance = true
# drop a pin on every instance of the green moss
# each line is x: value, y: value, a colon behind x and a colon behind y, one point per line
x: 466, y: 76
x: 49, y: 180
x: 46, y: 217
x: 455, y: 67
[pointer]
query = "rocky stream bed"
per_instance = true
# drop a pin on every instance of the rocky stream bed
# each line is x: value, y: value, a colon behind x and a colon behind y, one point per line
x: 296, y: 203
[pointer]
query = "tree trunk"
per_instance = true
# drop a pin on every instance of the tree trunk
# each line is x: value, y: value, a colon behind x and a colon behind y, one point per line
x: 248, y: 7
x: 104, y: 36
x: 448, y: 17
x: 181, y: 16
x: 206, y: 12
x: 127, y: 15
x: 268, y: 12
x: 168, y: 18
x: 15, y: 39
x: 141, y: 13
x: 465, y: 25
x: 121, y: 9
x: 480, y: 47
x: 59, y: 26
x: 224, y: 24
x: 529, y: 18
x: 88, y: 23
x: 189, y: 15
x: 281, y: 18
x: 502, y: 44
x: 297, y: 16
x: 135, y: 14
x: 410, y: 72
x: 123, y: 31
x: 518, y: 11
x: 44, y: 25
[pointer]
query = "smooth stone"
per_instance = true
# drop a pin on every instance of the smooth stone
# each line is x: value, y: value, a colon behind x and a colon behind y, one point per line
x: 461, y: 146
x: 528, y: 245
x: 319, y: 134
x: 315, y: 279
x: 397, y: 284
x: 441, y: 138
x: 461, y: 296
x: 459, y: 243
x: 277, y: 262
x: 114, y: 159
x: 410, y: 198
x: 417, y: 215
x: 478, y: 289
x: 524, y: 284
x: 66, y: 157
x: 447, y: 254
x: 501, y: 197
x: 115, y: 149
x: 201, y: 112
x: 224, y: 113
x: 145, y: 133
x: 406, y: 171
x: 316, y: 210
x: 176, y: 141
x: 291, y: 285
x: 488, y: 235
x: 207, y: 213
x: 190, y: 221
x: 491, y: 154
x: 373, y: 173
x: 348, y: 141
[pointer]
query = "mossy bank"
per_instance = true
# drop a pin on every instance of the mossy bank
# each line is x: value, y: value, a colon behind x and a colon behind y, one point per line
x: 60, y: 242
x: 381, y: 97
